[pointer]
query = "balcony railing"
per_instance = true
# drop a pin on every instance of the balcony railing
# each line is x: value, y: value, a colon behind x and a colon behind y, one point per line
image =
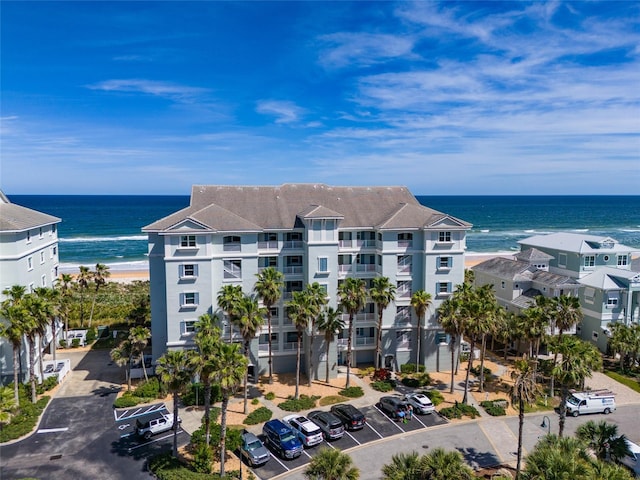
x: 232, y: 247
x: 292, y: 244
x: 263, y: 267
x: 360, y: 341
x: 288, y: 346
x: 404, y: 269
x: 403, y: 293
x: 357, y: 243
x: 293, y: 270
x: 341, y: 343
x: 365, y: 267
x: 405, y: 243
x: 268, y: 245
x: 346, y: 268
x: 232, y: 271
x: 264, y: 347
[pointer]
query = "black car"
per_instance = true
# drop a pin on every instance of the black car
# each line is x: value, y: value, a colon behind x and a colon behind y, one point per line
x: 392, y: 406
x: 331, y: 426
x: 351, y: 417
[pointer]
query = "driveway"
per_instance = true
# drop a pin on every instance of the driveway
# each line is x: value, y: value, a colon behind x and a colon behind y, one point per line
x: 77, y: 436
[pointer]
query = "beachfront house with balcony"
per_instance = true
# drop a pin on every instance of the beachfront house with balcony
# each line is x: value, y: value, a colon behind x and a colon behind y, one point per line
x: 28, y: 257
x: 311, y: 233
x: 602, y: 266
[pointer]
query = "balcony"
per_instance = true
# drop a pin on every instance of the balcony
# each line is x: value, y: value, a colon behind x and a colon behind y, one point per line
x: 405, y: 243
x: 341, y: 343
x: 293, y: 270
x: 363, y: 341
x: 403, y: 293
x: 366, y: 267
x: 268, y: 245
x: 361, y: 317
x: 357, y: 244
x: 404, y: 269
x: 232, y: 247
x: 264, y: 347
x: 292, y: 244
x: 232, y: 271
x: 289, y: 346
x: 346, y: 268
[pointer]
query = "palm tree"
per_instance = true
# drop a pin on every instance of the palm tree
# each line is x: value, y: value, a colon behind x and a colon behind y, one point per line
x: 205, y: 363
x: 44, y: 318
x: 621, y: 341
x: 317, y: 296
x: 139, y: 338
x: 229, y: 297
x: 603, y: 439
x: 122, y: 355
x: 34, y: 319
x: 420, y: 301
x: 83, y: 279
x: 487, y: 313
x: 331, y: 464
x: 353, y: 295
x: 13, y: 311
x: 8, y: 405
x: 300, y: 312
x: 250, y: 320
x: 452, y: 324
x: 64, y: 286
x: 232, y: 366
x: 403, y: 466
x: 174, y: 370
x: 269, y: 289
x: 566, y: 314
x: 558, y: 458
x: 579, y: 359
x: 330, y: 324
x: 100, y: 276
x: 523, y: 392
x: 382, y: 292
x: 445, y: 465
x: 54, y: 300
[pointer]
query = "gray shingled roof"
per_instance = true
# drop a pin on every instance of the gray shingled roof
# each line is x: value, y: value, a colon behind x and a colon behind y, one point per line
x: 277, y: 208
x: 533, y: 255
x: 575, y: 242
x: 527, y: 298
x: 505, y: 268
x: 608, y: 278
x: 16, y: 218
x: 554, y: 279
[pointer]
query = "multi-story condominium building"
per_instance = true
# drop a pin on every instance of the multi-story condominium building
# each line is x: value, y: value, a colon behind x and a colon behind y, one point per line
x: 28, y: 257
x: 518, y: 280
x: 610, y: 289
x: 311, y: 233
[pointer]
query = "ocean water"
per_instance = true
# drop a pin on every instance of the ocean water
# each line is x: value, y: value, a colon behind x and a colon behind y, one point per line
x: 107, y: 228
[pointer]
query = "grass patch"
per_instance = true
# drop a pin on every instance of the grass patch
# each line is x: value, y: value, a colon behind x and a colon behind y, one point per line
x: 495, y: 408
x: 332, y: 400
x: 259, y: 415
x: 305, y: 402
x: 24, y: 421
x: 352, y: 392
x: 460, y: 410
x: 165, y: 467
x: 628, y: 381
x: 383, y: 385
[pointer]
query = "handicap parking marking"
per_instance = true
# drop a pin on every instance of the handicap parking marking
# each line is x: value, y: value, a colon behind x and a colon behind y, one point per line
x: 121, y: 415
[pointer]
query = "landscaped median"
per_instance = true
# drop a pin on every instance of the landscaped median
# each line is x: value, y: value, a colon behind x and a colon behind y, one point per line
x: 17, y: 421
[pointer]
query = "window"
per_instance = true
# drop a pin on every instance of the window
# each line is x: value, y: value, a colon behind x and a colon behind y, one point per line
x: 53, y: 228
x: 188, y: 270
x: 445, y: 263
x: 622, y: 260
x: 405, y: 239
x: 589, y: 261
x: 41, y: 258
x: 444, y: 236
x: 40, y: 232
x: 562, y: 259
x: 30, y: 263
x: 43, y: 280
x: 233, y: 269
x: 231, y: 243
x: 188, y: 327
x: 189, y: 299
x: 404, y: 263
x: 275, y: 312
x: 502, y: 284
x: 403, y: 314
x: 403, y: 339
x: 28, y: 236
x: 612, y: 301
x: 263, y: 342
x: 442, y: 338
x: 443, y: 288
x: 52, y: 252
x: 188, y: 241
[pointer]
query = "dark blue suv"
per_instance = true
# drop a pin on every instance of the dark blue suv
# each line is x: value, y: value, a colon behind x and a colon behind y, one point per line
x: 282, y: 439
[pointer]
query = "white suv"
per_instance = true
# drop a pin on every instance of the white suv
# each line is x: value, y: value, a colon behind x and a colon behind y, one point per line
x: 420, y: 403
x: 308, y: 432
x: 158, y: 423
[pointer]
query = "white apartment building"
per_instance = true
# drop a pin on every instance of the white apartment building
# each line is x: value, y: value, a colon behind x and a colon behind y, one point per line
x: 28, y: 257
x: 311, y: 233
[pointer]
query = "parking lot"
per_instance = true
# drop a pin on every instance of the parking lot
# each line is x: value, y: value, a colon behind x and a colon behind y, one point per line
x: 378, y: 426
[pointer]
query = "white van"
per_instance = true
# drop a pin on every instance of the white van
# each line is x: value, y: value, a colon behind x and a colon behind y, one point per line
x: 632, y: 461
x: 592, y: 401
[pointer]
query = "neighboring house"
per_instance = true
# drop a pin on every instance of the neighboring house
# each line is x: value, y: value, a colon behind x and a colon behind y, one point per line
x: 311, y: 233
x: 28, y: 257
x: 519, y: 280
x: 602, y: 266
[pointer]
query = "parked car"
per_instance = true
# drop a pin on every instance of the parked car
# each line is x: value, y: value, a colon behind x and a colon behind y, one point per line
x: 392, y: 406
x: 351, y: 417
x: 282, y: 439
x: 331, y: 426
x: 632, y: 462
x: 158, y: 423
x: 420, y: 402
x: 253, y: 450
x: 308, y: 432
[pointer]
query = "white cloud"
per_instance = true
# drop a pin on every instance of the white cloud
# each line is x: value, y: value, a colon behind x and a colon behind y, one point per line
x: 168, y: 90
x: 284, y: 111
x: 363, y: 49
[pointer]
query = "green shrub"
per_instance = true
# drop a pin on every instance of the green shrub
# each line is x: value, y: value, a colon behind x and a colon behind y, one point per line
x: 165, y: 467
x: 148, y: 389
x: 352, y: 392
x: 411, y: 368
x: 259, y: 415
x: 196, y: 392
x: 365, y: 372
x: 202, y: 458
x: 63, y: 343
x: 476, y: 371
x: 415, y: 381
x: 24, y: 419
x: 270, y: 396
x: 305, y: 402
x: 435, y: 396
x: 460, y: 410
x: 255, y: 401
x: 126, y: 401
x: 495, y: 408
x: 47, y: 385
x: 383, y: 386
x: 75, y: 343
x: 92, y: 335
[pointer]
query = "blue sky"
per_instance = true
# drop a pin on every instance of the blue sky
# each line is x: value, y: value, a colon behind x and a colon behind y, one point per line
x: 445, y: 98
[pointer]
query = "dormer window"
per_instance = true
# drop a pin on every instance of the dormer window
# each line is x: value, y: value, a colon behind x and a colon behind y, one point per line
x: 231, y: 243
x: 188, y: 241
x: 589, y: 261
x: 444, y: 236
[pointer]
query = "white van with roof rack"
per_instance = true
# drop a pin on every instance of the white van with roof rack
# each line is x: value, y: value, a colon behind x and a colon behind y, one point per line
x: 591, y: 401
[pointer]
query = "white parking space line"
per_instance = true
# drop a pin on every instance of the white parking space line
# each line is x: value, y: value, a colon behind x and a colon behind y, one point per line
x: 52, y: 430
x: 390, y: 419
x: 329, y: 445
x: 278, y: 460
x: 352, y: 437
x: 377, y: 432
x: 305, y: 452
x: 414, y: 417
